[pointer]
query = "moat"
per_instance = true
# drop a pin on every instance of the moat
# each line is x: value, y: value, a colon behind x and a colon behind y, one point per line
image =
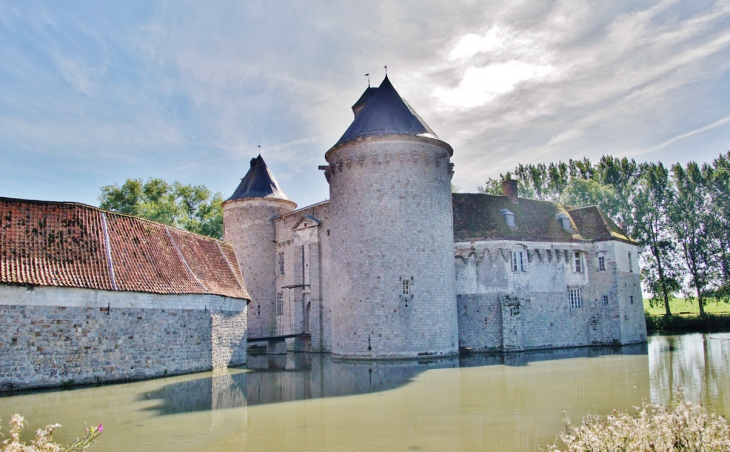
x: 301, y: 402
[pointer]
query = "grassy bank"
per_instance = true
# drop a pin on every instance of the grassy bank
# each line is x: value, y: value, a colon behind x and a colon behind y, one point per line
x: 685, y: 317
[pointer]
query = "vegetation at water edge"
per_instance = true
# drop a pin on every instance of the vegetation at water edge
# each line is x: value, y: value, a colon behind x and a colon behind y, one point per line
x: 43, y: 441
x: 681, y: 426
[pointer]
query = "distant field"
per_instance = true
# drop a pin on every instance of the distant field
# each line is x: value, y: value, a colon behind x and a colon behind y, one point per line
x: 682, y: 305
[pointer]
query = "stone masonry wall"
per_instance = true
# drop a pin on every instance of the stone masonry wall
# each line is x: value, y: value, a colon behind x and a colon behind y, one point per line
x: 519, y: 310
x: 391, y: 219
x: 303, y: 238
x: 249, y: 227
x: 53, y: 336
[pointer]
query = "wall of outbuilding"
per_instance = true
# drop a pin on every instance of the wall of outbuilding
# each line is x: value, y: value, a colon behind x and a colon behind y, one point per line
x: 51, y: 336
x: 500, y: 309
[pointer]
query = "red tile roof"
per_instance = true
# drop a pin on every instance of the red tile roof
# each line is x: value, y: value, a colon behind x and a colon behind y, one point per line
x: 74, y: 245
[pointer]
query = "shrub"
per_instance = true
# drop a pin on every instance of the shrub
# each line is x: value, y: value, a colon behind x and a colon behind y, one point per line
x: 682, y: 426
x: 44, y: 438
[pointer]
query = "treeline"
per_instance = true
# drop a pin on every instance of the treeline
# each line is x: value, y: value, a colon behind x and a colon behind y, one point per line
x: 679, y: 215
x: 191, y: 207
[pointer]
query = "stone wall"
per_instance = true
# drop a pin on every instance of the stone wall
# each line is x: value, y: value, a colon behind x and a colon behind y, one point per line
x: 249, y: 227
x: 391, y: 224
x: 520, y: 310
x: 53, y: 336
x: 303, y: 239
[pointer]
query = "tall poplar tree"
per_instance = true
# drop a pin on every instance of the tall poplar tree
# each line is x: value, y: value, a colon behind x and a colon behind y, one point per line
x: 651, y: 206
x: 690, y: 214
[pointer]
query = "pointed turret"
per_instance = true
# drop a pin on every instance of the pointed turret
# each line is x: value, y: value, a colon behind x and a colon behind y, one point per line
x: 258, y: 182
x: 392, y: 239
x: 385, y: 112
x: 248, y: 225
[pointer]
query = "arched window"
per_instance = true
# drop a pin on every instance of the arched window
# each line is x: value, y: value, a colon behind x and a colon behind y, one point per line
x: 519, y: 258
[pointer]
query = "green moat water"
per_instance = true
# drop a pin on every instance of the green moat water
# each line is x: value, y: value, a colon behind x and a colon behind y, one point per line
x: 312, y: 403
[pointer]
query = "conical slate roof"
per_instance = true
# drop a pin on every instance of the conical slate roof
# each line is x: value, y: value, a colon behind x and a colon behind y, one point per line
x: 259, y: 182
x: 385, y: 113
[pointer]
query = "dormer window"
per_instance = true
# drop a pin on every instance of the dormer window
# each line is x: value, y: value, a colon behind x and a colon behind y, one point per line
x: 508, y: 217
x: 564, y: 221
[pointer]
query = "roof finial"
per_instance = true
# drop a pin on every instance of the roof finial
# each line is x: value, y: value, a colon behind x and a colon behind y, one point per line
x: 368, y: 76
x: 259, y: 150
x: 386, y: 70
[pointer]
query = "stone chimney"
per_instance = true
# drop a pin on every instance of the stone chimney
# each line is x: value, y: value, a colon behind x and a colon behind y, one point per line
x: 509, y: 189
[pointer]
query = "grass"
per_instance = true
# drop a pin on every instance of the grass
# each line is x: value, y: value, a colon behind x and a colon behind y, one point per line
x: 683, y: 306
x: 685, y: 317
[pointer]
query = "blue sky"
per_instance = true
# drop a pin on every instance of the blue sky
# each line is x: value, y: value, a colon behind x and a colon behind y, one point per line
x: 93, y: 93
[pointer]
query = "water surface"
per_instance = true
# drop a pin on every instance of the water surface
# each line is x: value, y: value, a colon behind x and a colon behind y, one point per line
x: 305, y: 402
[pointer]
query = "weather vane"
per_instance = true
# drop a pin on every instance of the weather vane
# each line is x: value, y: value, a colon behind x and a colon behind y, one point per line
x: 368, y: 76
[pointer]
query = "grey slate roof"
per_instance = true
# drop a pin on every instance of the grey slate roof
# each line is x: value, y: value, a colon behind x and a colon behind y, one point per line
x: 478, y: 217
x: 259, y: 182
x: 386, y: 113
x: 369, y: 92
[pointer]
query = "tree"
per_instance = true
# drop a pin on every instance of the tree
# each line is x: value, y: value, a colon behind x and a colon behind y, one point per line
x: 690, y: 214
x: 651, y: 204
x: 190, y: 207
x: 718, y: 183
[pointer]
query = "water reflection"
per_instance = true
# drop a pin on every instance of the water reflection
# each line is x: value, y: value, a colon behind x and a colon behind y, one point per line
x: 697, y: 362
x: 287, y: 378
x: 301, y: 402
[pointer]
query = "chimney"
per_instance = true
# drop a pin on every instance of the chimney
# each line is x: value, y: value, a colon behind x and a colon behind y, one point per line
x: 509, y: 189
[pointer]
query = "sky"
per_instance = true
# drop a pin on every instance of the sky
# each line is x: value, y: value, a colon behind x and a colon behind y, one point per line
x: 93, y: 93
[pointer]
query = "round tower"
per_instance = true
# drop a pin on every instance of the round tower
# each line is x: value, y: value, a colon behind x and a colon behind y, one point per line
x: 393, y: 283
x: 248, y: 225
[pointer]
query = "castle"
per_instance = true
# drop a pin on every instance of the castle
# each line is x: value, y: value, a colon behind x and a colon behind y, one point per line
x: 394, y: 265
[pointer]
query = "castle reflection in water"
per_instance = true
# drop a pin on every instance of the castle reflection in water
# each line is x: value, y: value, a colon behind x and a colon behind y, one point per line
x: 298, y: 376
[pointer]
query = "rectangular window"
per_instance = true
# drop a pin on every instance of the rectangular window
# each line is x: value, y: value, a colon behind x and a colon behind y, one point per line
x: 605, y: 299
x: 406, y: 287
x: 601, y: 263
x: 281, y: 263
x: 519, y: 258
x: 279, y: 303
x: 631, y: 297
x: 578, y: 262
x: 575, y: 299
x: 631, y: 264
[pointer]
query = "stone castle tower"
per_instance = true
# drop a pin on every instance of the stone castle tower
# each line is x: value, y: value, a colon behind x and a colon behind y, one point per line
x: 248, y: 224
x: 392, y: 239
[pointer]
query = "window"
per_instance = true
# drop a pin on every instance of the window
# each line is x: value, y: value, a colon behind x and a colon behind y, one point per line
x: 631, y: 298
x: 577, y: 262
x: 281, y: 263
x: 601, y: 263
x: 564, y: 221
x: 519, y: 258
x: 279, y: 303
x: 605, y: 299
x: 508, y: 217
x: 631, y: 264
x: 406, y: 287
x: 575, y: 299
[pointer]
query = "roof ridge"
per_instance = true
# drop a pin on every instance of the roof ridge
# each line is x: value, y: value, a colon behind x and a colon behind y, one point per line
x: 110, y: 212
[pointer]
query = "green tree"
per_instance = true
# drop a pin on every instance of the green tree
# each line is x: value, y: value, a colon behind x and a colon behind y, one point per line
x: 718, y: 183
x: 651, y: 206
x: 190, y: 207
x: 689, y: 216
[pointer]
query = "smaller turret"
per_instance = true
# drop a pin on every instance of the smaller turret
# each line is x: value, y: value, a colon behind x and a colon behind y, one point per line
x: 248, y: 224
